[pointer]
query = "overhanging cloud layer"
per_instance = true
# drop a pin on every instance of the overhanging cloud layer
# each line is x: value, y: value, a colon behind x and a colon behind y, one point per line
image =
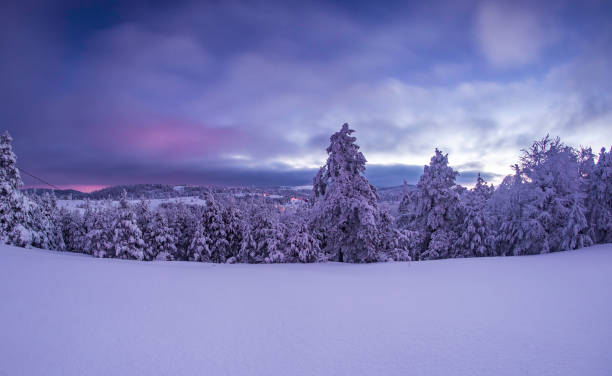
x: 234, y: 93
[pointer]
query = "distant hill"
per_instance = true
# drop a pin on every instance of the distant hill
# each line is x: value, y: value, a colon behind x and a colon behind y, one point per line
x: 61, y: 194
x: 152, y: 191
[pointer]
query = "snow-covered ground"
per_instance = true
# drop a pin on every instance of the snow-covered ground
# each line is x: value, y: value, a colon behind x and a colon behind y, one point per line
x: 67, y: 314
x: 153, y: 203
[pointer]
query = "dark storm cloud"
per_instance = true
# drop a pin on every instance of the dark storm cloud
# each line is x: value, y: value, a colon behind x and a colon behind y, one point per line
x: 237, y: 92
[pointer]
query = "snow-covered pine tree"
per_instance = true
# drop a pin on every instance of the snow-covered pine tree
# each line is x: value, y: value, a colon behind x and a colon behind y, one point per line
x: 144, y: 215
x: 396, y: 243
x: 345, y: 204
x: 600, y: 198
x: 301, y: 245
x: 552, y: 176
x: 71, y: 224
x: 264, y: 239
x: 431, y: 210
x: 215, y: 229
x: 46, y: 223
x: 9, y: 173
x: 183, y: 223
x: 14, y: 207
x: 200, y: 247
x: 586, y: 170
x: 84, y: 223
x: 475, y: 237
x: 123, y: 200
x: 518, y: 229
x: 234, y: 229
x: 161, y: 244
x: 146, y: 224
x: 575, y: 233
x: 127, y: 237
x: 99, y: 237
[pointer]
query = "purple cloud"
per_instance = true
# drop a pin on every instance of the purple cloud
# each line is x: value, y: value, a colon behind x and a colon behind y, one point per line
x: 100, y: 94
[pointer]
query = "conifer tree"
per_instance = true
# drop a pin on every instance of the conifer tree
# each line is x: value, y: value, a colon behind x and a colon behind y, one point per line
x: 301, y: 245
x: 99, y: 236
x: 552, y: 175
x: 214, y: 228
x: 475, y: 237
x: 161, y: 243
x: 431, y: 210
x: 346, y: 209
x: 520, y: 230
x: 127, y: 237
x: 13, y: 206
x: 600, y: 198
x: 200, y: 247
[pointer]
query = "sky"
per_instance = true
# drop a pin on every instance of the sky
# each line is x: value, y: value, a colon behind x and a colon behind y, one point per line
x: 247, y: 93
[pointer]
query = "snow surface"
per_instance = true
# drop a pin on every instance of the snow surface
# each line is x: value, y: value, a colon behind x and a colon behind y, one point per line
x: 153, y: 203
x: 68, y: 314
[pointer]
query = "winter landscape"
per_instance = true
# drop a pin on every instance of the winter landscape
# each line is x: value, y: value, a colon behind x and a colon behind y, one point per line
x: 187, y: 196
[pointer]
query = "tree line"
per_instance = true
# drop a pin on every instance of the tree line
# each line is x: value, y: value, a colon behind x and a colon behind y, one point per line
x: 558, y: 198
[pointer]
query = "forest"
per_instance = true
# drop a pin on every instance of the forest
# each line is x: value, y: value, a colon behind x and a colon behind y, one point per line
x: 559, y: 198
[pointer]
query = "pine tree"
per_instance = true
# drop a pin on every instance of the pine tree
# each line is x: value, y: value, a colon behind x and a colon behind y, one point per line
x: 552, y: 175
x: 396, y: 243
x: 14, y: 207
x: 46, y: 223
x: 263, y: 240
x: 215, y: 230
x: 127, y: 237
x: 99, y: 237
x: 346, y: 209
x: 301, y: 245
x: 600, y: 198
x: 519, y: 231
x: 10, y: 179
x: 431, y: 210
x: 161, y: 243
x: 200, y: 247
x: 234, y: 229
x: 71, y: 224
x: 575, y: 233
x: 475, y: 235
x: 183, y: 223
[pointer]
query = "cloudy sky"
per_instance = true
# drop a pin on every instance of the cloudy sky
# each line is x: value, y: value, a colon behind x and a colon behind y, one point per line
x: 230, y: 92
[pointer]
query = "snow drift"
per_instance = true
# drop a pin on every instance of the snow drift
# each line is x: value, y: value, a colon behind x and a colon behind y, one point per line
x: 68, y: 314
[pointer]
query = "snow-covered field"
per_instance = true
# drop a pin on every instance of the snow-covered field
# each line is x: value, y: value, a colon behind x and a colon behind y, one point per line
x: 153, y: 203
x: 67, y: 314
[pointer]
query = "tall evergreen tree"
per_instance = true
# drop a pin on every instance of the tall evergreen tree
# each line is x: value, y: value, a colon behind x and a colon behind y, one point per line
x: 301, y: 245
x: 161, y: 242
x: 263, y: 240
x: 346, y: 209
x: 127, y: 237
x: 519, y: 230
x: 200, y: 247
x: 431, y: 210
x: 20, y: 217
x: 600, y: 198
x: 475, y: 237
x: 215, y: 229
x: 552, y: 177
x: 99, y: 237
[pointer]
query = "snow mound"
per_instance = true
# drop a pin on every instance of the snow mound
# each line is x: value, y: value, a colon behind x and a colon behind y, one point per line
x: 68, y: 314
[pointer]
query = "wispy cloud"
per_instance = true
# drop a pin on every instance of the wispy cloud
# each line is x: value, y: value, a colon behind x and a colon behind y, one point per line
x: 192, y: 92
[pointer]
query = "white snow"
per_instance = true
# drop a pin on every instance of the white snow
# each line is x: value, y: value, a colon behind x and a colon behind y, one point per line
x: 153, y: 203
x: 67, y: 314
